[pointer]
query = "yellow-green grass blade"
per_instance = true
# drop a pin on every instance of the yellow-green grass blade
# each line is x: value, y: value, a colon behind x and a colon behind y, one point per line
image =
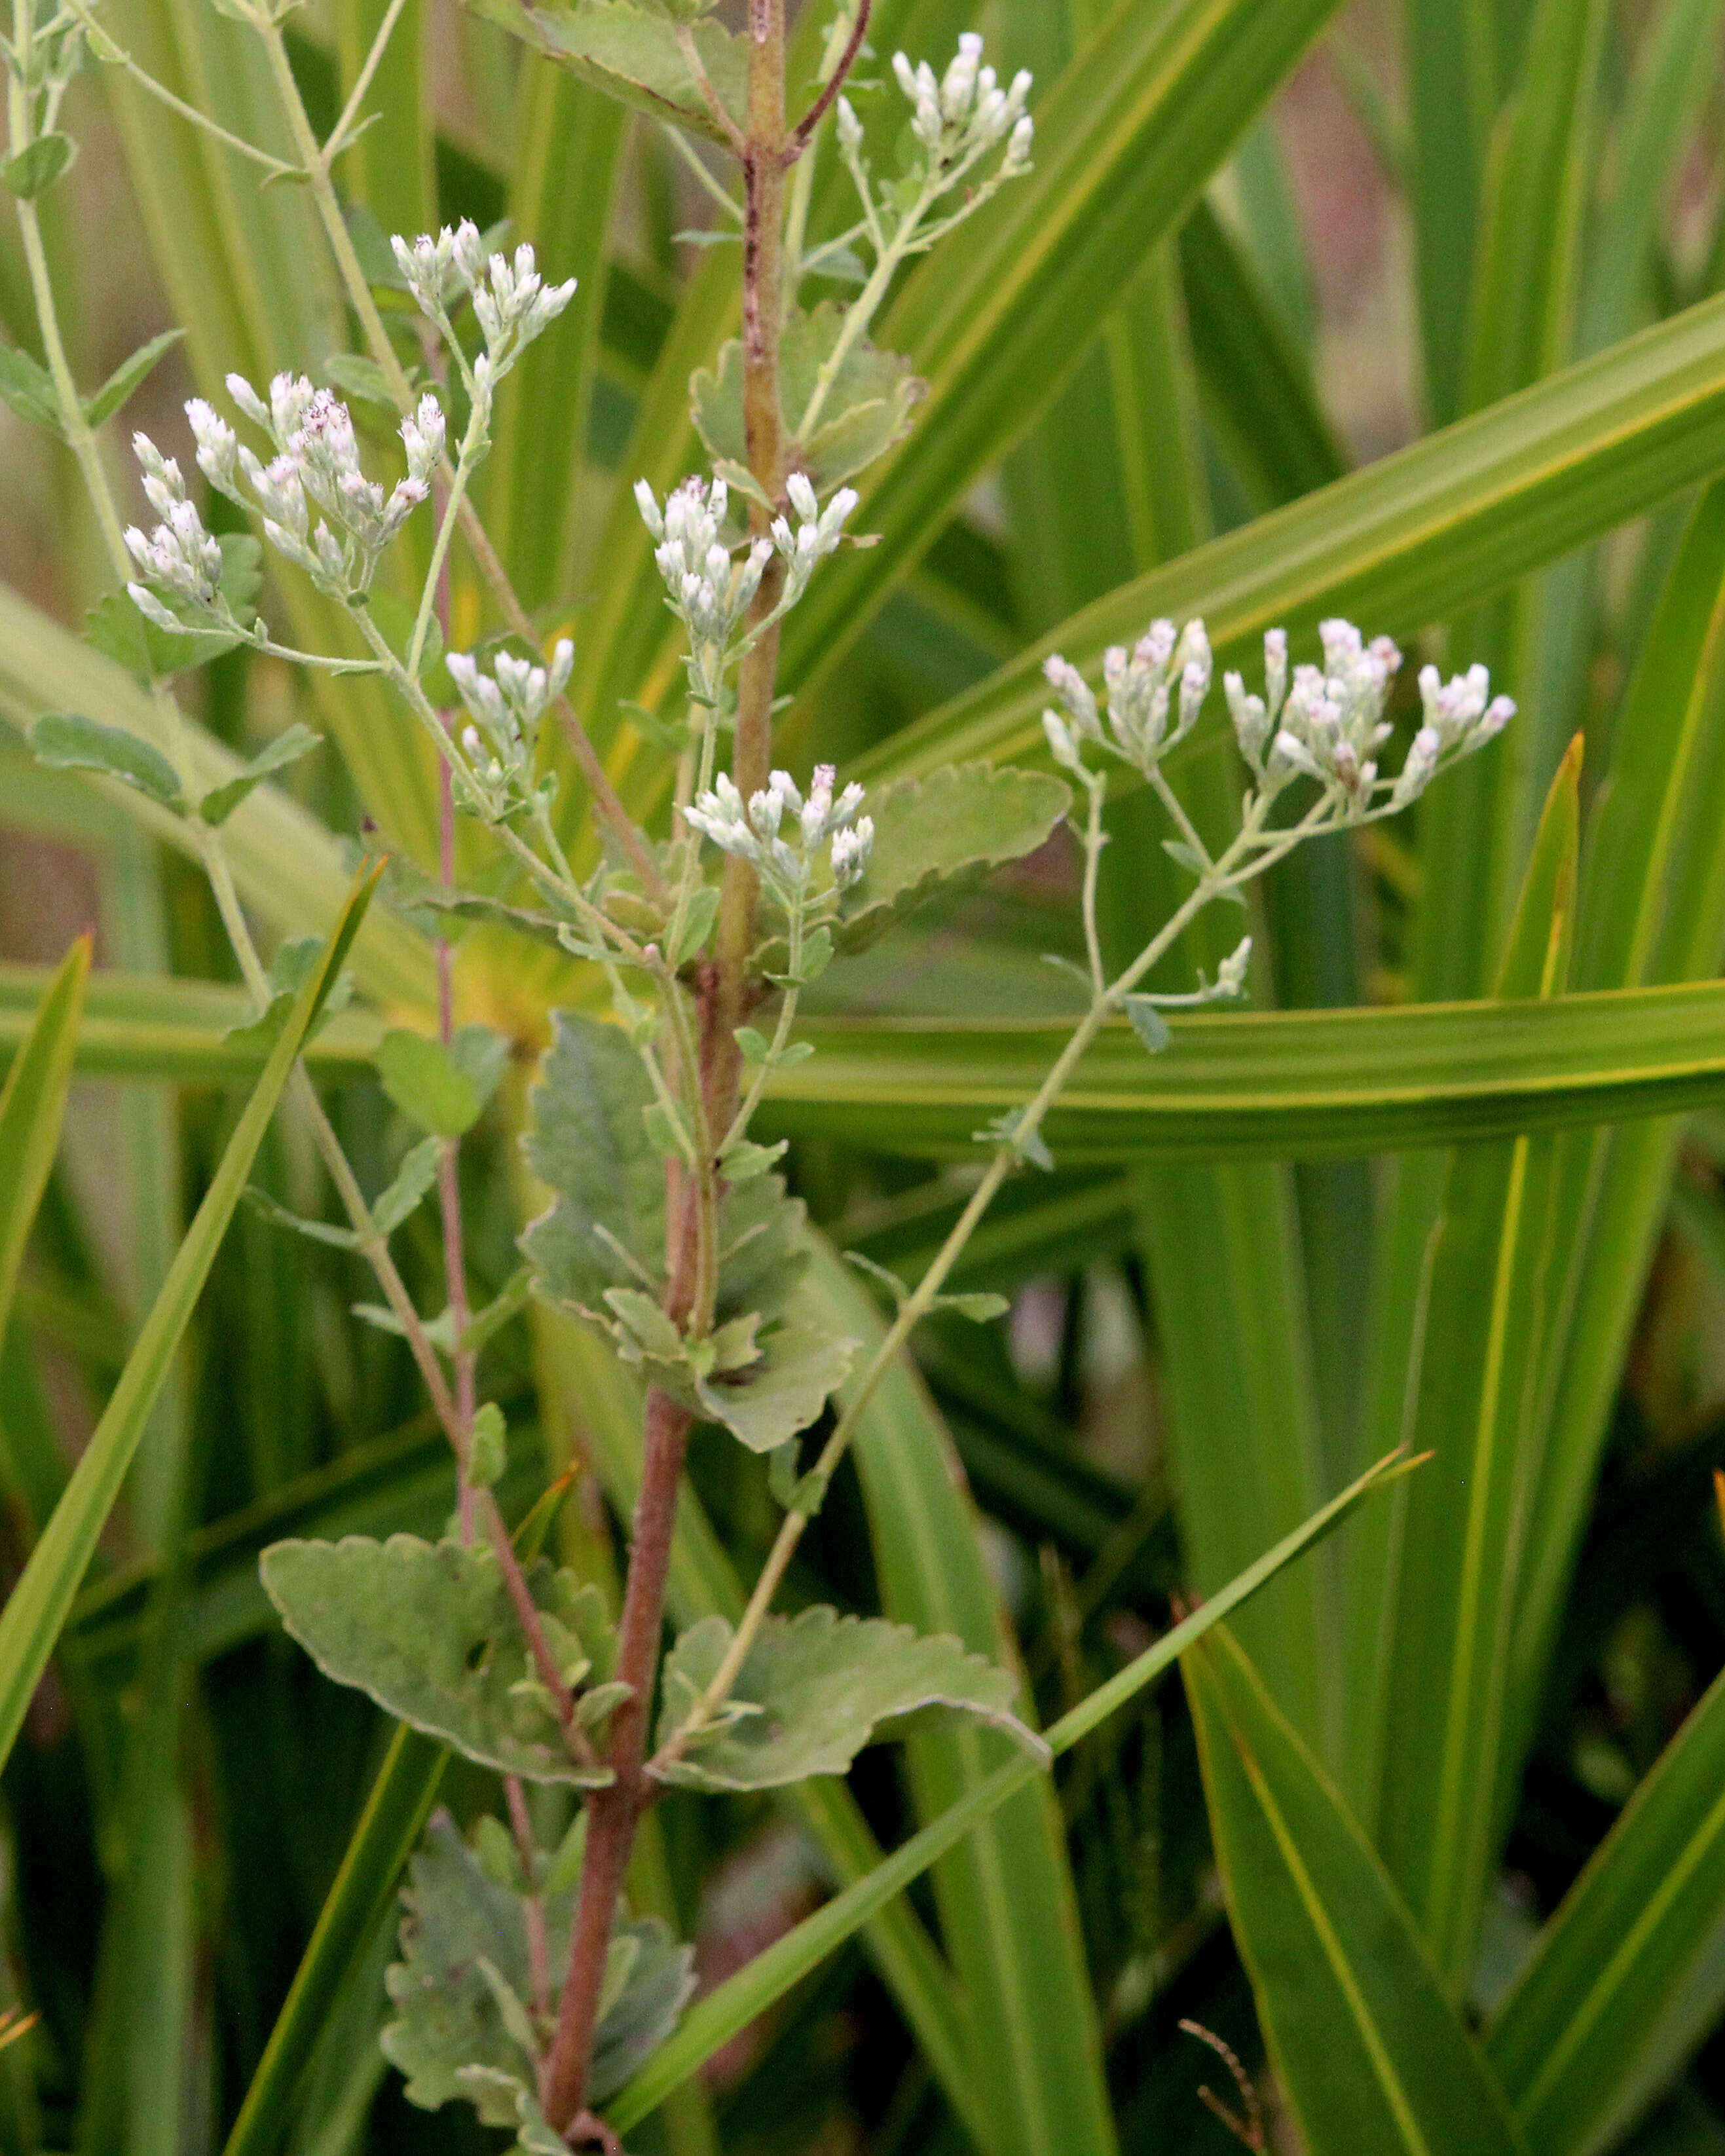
x: 1624, y: 1979
x: 1227, y: 1287
x: 248, y: 271
x: 1126, y: 139
x: 1652, y: 909
x: 703, y: 1582
x: 391, y: 167
x: 1278, y: 1085
x: 1406, y: 542
x: 1007, y: 1911
x: 1452, y: 78
x: 172, y: 1029
x: 39, y: 1604
x: 1275, y: 1086
x: 287, y: 864
x: 31, y: 1107
x: 1450, y: 1590
x: 713, y: 2020
x: 1478, y: 827
x: 1367, y: 2049
x: 537, y: 488
x: 1676, y: 61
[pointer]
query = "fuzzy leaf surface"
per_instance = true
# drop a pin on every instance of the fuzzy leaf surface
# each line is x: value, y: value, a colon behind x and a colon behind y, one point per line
x: 814, y: 1690
x: 588, y: 1142
x: 27, y: 387
x: 289, y: 746
x: 633, y: 56
x: 66, y: 741
x: 950, y: 828
x: 450, y: 2021
x: 600, y: 1248
x: 866, y: 410
x: 798, y: 1369
x: 443, y: 1089
x: 428, y: 1629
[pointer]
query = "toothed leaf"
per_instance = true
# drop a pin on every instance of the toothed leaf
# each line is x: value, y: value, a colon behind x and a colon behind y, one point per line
x: 813, y: 1690
x: 428, y: 1630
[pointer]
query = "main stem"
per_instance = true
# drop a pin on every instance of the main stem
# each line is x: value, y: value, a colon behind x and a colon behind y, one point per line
x: 614, y: 1814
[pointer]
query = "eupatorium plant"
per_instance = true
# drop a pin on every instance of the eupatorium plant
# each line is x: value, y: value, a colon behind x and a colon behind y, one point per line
x: 526, y: 1986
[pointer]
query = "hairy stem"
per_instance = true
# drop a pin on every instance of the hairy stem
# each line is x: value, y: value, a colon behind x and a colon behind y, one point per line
x: 614, y: 1814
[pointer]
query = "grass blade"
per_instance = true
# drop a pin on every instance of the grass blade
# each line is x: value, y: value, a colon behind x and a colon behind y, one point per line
x: 38, y: 1606
x: 714, y: 2020
x: 1451, y: 1593
x: 1126, y: 139
x: 387, y: 1833
x: 31, y: 1107
x: 1609, y: 2002
x: 1406, y: 542
x: 287, y: 864
x: 1367, y: 2049
x: 1008, y: 1910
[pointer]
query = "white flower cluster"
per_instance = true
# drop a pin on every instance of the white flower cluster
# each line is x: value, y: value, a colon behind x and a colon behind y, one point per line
x: 179, y: 557
x: 710, y: 589
x: 512, y: 301
x: 315, y: 466
x: 964, y: 112
x: 1166, y: 673
x: 505, y: 707
x: 782, y: 833
x: 1328, y: 724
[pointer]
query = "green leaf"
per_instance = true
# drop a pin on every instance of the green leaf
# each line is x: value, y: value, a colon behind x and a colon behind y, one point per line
x: 444, y: 1090
x: 866, y: 409
x: 412, y: 1179
x: 813, y: 1690
x: 287, y: 970
x: 115, y: 627
x: 1148, y: 1023
x: 1367, y: 2049
x: 949, y: 828
x: 356, y: 376
x: 128, y: 377
x: 31, y: 1107
x: 32, y: 171
x: 27, y: 387
x: 588, y: 1142
x: 39, y: 1601
x: 731, y: 2006
x: 458, y: 1921
x: 428, y: 1630
x: 289, y: 746
x: 488, y: 1452
x: 64, y: 741
x: 633, y: 56
x: 600, y: 1248
x: 1623, y: 1980
x: 270, y: 1208
x: 783, y: 1391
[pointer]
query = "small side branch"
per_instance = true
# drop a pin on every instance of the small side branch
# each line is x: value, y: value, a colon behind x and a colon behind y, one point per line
x: 804, y: 129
